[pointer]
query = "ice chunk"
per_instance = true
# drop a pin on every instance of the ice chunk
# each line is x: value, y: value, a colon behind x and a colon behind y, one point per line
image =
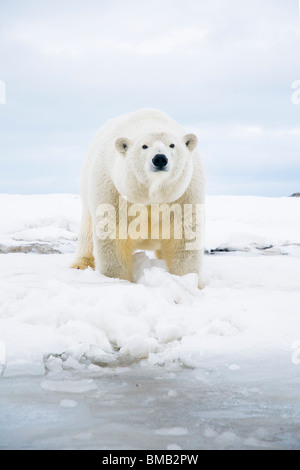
x: 68, y: 403
x: 175, y: 431
x: 173, y: 447
x: 69, y: 386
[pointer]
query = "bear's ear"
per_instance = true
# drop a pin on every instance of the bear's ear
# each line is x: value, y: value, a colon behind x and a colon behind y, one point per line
x: 122, y: 145
x: 190, y: 141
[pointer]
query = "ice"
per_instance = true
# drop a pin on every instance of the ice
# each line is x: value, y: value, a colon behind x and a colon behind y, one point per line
x: 2, y: 357
x: 172, y: 393
x: 69, y: 386
x: 83, y: 436
x: 157, y: 355
x: 248, y: 223
x: 2, y: 353
x: 176, y: 431
x: 50, y: 223
x: 173, y: 447
x: 296, y: 352
x: 39, y: 223
x: 68, y: 403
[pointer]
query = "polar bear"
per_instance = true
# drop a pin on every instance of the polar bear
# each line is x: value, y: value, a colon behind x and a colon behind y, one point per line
x: 141, y: 163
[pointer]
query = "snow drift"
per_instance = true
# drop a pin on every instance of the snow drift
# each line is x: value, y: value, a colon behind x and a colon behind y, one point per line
x: 59, y: 318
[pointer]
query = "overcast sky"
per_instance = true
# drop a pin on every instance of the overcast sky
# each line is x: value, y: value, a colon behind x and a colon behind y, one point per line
x: 222, y: 68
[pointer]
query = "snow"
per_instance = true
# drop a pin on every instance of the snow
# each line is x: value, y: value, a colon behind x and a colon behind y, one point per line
x: 154, y: 364
x: 42, y: 223
x: 49, y: 223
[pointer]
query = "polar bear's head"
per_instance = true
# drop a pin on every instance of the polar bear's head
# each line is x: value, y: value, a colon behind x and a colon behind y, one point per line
x: 155, y: 168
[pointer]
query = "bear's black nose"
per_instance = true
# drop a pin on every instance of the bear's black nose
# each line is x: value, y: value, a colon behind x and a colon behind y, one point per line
x: 160, y: 161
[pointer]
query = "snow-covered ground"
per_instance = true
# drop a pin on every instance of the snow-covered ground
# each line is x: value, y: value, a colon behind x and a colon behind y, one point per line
x: 49, y: 223
x: 91, y: 362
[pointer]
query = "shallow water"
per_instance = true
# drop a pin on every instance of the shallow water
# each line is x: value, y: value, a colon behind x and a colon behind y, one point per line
x: 151, y: 407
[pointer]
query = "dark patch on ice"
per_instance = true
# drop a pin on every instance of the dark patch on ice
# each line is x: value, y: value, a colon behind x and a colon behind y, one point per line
x: 92, y: 356
x: 40, y: 248
x: 268, y: 249
x: 218, y: 250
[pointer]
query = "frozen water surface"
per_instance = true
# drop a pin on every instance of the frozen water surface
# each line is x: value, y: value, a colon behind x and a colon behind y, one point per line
x: 130, y: 408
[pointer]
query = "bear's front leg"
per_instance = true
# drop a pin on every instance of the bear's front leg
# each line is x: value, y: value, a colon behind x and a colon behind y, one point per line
x: 180, y: 260
x: 113, y: 258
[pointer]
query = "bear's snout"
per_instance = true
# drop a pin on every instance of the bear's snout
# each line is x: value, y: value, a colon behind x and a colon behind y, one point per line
x: 160, y: 161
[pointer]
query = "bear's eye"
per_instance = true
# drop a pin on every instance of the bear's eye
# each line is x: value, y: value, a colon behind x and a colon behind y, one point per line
x: 145, y: 147
x: 172, y: 146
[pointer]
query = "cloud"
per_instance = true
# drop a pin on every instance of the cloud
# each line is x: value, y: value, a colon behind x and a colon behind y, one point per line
x: 184, y: 40
x: 224, y: 68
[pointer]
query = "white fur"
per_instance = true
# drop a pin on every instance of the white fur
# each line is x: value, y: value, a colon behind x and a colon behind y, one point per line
x: 116, y: 164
